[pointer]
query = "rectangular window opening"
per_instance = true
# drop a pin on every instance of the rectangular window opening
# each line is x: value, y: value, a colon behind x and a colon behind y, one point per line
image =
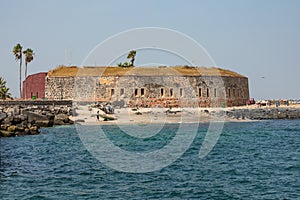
x: 207, y: 92
x: 136, y: 92
x: 215, y: 92
x: 112, y: 92
x: 121, y: 91
x: 142, y: 91
x: 162, y: 92
x: 200, y: 92
x: 229, y: 95
x: 171, y: 92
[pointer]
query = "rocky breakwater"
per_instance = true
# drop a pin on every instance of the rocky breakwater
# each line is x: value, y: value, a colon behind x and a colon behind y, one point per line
x: 17, y: 125
x: 265, y: 113
x: 18, y: 120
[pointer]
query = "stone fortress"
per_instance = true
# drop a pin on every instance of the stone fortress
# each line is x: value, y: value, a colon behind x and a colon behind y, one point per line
x: 178, y: 86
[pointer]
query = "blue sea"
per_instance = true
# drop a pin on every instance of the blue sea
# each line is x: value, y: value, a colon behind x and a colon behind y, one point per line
x: 251, y: 160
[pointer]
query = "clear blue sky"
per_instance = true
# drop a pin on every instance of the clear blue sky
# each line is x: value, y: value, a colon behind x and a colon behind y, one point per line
x: 253, y: 37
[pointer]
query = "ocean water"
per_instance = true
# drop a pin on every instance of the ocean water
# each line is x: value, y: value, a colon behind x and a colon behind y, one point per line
x: 255, y: 160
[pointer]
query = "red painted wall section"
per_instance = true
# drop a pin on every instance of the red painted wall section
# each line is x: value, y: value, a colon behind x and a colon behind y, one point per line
x: 34, y: 85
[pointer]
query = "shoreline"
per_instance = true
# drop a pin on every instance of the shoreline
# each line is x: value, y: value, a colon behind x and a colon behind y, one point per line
x: 20, y: 120
x: 188, y: 115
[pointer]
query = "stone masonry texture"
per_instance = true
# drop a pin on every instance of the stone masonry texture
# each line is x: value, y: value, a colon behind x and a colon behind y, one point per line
x: 149, y: 89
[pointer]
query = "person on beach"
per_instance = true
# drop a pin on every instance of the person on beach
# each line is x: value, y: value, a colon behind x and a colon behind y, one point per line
x: 97, y: 115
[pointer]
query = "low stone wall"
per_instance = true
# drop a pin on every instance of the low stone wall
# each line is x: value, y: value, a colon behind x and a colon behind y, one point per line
x: 265, y: 113
x: 37, y: 103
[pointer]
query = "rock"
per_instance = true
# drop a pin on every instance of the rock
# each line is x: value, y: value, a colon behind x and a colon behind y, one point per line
x: 26, y: 131
x: 3, y: 116
x: 26, y: 120
x: 51, y: 120
x: 34, y: 130
x: 17, y: 119
x: 19, y: 133
x: 61, y: 116
x: 21, y: 128
x: 39, y: 119
x: 62, y: 119
x: 42, y: 123
x: 4, y: 126
x: 59, y: 122
x: 6, y: 133
x: 10, y: 111
x: 8, y: 120
x: 32, y: 116
x: 12, y: 128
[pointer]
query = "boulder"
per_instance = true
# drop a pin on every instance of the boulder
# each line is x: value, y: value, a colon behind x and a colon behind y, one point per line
x: 12, y: 123
x: 42, y: 123
x: 8, y: 120
x: 26, y: 131
x: 62, y: 119
x: 17, y: 119
x: 59, y: 122
x: 4, y: 126
x: 34, y: 130
x: 3, y: 116
x: 12, y: 128
x: 39, y: 119
x: 20, y: 128
x: 6, y: 133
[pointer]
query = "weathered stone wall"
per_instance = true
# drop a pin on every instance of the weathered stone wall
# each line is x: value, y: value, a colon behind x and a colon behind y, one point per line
x: 208, y: 91
x: 237, y: 91
x: 36, y: 103
x: 149, y: 91
x: 59, y: 88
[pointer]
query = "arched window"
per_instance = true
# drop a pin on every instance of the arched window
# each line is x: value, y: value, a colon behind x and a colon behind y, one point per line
x: 142, y: 91
x: 162, y: 92
x: 171, y: 92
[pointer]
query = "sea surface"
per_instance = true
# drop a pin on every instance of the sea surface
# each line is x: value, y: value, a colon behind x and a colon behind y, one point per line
x: 251, y: 160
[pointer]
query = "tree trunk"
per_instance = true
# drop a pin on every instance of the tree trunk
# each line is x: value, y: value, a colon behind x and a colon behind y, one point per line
x: 25, y: 70
x: 21, y: 77
x: 25, y: 88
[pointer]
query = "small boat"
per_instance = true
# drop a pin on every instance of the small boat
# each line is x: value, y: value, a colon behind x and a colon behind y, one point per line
x: 107, y: 117
x: 173, y: 111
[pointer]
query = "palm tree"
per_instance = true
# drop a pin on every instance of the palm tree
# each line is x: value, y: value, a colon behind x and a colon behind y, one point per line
x: 131, y: 56
x: 3, y: 89
x: 17, y: 51
x: 28, y: 53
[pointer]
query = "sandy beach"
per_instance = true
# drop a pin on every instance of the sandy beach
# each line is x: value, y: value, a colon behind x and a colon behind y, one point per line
x: 86, y: 116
